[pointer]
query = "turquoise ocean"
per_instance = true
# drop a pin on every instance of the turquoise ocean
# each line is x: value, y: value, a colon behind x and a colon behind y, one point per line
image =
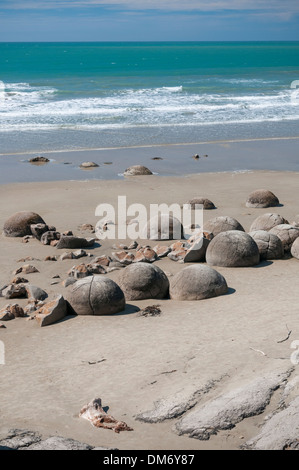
x: 64, y: 96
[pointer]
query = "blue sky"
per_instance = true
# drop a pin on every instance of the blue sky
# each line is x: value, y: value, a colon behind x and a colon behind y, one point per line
x: 148, y: 20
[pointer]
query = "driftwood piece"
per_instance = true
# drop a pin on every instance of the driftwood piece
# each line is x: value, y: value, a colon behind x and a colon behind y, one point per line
x: 94, y: 412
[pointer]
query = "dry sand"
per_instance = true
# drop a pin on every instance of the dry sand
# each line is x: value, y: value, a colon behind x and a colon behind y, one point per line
x: 131, y: 361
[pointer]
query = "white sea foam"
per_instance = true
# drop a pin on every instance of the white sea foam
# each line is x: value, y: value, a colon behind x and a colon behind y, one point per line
x: 26, y: 107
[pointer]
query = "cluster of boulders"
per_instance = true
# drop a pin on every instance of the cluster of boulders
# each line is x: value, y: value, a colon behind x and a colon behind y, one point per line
x: 221, y: 242
x: 24, y: 224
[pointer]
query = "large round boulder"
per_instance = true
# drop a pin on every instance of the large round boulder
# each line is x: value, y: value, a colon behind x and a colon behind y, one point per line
x: 197, y: 282
x: 269, y: 245
x: 137, y: 170
x: 163, y: 227
x: 287, y: 234
x: 18, y: 225
x: 222, y: 224
x: 262, y: 198
x: 96, y: 295
x: 205, y: 202
x: 267, y: 221
x: 143, y: 281
x: 295, y: 248
x: 233, y: 249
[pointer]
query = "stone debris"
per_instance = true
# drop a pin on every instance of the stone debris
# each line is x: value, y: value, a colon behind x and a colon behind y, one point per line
x: 38, y: 230
x: 14, y: 291
x: 52, y: 312
x: 150, y: 311
x: 94, y: 413
x: 26, y: 269
x: 71, y: 242
x: 9, y: 312
x: 49, y: 237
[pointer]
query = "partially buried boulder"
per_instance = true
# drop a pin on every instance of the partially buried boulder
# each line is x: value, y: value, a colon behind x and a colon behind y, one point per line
x: 137, y: 170
x: 96, y: 295
x: 71, y: 242
x: 143, y: 281
x: 197, y: 282
x: 205, y: 202
x: 163, y: 227
x: 269, y: 245
x: 233, y: 249
x: 287, y: 234
x: 222, y: 224
x: 18, y: 225
x: 262, y: 198
x: 267, y: 221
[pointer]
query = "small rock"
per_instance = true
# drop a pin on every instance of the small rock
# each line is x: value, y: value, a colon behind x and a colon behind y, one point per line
x: 85, y: 165
x: 35, y: 293
x: 67, y: 255
x: 103, y: 260
x: 38, y: 230
x: 79, y: 254
x: 133, y: 245
x: 161, y: 250
x: 69, y: 281
x: 94, y: 413
x: 79, y: 272
x: 19, y: 280
x: 14, y: 291
x: 137, y: 170
x: 52, y: 312
x: 39, y: 159
x: 72, y: 242
x: 26, y: 269
x: 49, y: 236
x: 123, y: 257
x: 51, y: 258
x: 9, y: 312
x: 178, y: 255
x: 87, y: 227
x: 146, y: 255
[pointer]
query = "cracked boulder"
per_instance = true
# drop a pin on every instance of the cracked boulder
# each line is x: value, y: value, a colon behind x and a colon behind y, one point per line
x: 233, y: 249
x: 295, y: 248
x: 269, y: 245
x: 287, y: 234
x: 96, y: 295
x: 267, y: 221
x: 143, y: 281
x: 222, y: 224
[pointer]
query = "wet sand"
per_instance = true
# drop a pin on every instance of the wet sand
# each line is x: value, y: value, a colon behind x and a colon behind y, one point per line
x: 277, y: 154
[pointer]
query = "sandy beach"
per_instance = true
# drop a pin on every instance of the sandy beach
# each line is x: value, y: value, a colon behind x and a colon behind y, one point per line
x: 200, y: 349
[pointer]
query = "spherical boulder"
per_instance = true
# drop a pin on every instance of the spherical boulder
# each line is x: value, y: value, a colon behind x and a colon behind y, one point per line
x: 137, y: 170
x: 222, y: 224
x: 96, y: 295
x: 163, y: 227
x: 295, y: 248
x: 267, y: 221
x: 143, y: 281
x: 269, y: 245
x: 197, y: 282
x: 233, y: 249
x: 262, y: 198
x: 287, y: 234
x: 207, y: 204
x: 18, y: 225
